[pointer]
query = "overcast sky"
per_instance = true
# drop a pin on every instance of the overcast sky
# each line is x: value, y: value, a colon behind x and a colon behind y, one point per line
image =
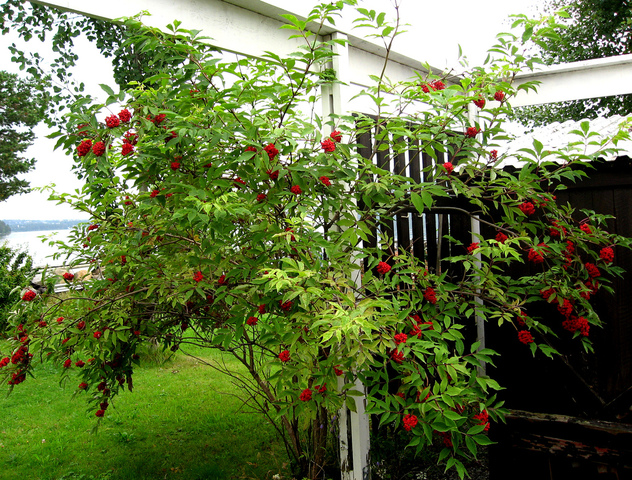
x: 436, y: 29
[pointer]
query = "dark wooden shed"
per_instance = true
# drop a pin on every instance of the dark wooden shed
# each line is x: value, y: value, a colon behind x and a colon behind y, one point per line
x: 572, y: 415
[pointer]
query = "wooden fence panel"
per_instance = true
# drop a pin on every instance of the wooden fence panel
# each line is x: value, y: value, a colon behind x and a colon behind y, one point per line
x: 576, y: 389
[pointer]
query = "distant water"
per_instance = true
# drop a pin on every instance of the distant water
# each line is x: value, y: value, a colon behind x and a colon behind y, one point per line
x: 40, y: 251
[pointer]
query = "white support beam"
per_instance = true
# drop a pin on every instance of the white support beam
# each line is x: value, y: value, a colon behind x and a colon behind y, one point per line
x: 601, y: 77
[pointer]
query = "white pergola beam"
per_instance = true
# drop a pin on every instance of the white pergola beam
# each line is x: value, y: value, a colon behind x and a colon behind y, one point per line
x: 601, y: 77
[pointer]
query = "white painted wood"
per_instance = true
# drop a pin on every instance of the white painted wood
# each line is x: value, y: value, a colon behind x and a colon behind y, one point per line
x: 600, y: 77
x: 231, y: 28
x: 360, y: 437
x: 249, y: 27
x: 354, y: 457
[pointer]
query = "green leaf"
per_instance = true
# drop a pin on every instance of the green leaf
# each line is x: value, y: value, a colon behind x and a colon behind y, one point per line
x: 483, y: 440
x: 417, y: 202
x: 107, y: 89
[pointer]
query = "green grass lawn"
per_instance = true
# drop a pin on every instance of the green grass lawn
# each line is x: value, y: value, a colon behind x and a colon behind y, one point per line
x: 181, y: 422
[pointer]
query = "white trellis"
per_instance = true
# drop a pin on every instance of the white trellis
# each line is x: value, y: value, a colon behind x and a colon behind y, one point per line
x: 251, y: 27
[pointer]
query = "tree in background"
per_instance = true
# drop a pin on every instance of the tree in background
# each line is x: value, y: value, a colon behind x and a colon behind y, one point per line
x: 595, y: 29
x: 22, y: 106
x: 15, y: 271
x: 31, y: 20
x: 4, y: 228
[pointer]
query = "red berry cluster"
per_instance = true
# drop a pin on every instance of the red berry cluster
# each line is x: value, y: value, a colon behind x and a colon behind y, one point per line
x: 284, y: 356
x: 125, y: 115
x: 449, y: 168
x: 325, y: 181
x: 434, y: 86
x: 158, y: 119
x: 430, y: 295
x: 471, y: 132
x: 527, y: 208
x: 126, y: 149
x: 84, y: 147
x: 306, y: 395
x: 525, y: 337
x: 607, y: 254
x: 112, y: 121
x: 446, y: 438
x: 400, y: 338
x: 479, y: 102
x: 501, y: 237
x: 410, y: 422
x: 397, y: 357
x: 417, y: 323
x: 573, y: 324
x: 272, y: 151
x: 482, y: 419
x: 29, y: 296
x: 336, y: 136
x: 534, y: 256
x: 592, y: 269
x: 328, y: 145
x: 383, y: 268
x: 98, y: 148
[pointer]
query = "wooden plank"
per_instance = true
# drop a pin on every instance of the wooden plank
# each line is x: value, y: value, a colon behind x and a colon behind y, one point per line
x: 402, y: 222
x: 622, y: 313
x: 418, y: 237
x: 386, y: 225
x: 430, y: 219
x: 365, y: 150
x: 560, y: 435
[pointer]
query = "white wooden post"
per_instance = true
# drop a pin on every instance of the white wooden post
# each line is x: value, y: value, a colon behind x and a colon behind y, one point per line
x: 353, y: 426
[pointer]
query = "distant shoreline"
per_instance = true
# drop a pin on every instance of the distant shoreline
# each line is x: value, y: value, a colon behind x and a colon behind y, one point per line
x: 40, y: 225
